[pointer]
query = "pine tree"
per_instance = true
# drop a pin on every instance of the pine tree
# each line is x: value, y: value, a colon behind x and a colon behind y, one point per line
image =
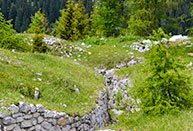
x: 167, y: 87
x: 82, y: 21
x: 39, y: 23
x: 146, y: 15
x: 7, y: 37
x: 73, y: 24
x: 66, y: 26
x: 107, y: 18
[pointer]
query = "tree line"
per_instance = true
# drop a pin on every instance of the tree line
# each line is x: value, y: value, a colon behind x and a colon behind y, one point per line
x: 74, y: 19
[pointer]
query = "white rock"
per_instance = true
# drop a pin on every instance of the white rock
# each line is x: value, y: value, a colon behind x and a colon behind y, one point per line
x: 83, y: 44
x: 64, y: 105
x: 178, y: 38
x: 117, y: 112
x: 39, y: 79
x: 37, y: 93
x: 148, y: 41
x: 76, y: 89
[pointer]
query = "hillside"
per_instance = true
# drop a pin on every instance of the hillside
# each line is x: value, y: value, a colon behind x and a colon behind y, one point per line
x: 64, y: 84
x: 68, y: 80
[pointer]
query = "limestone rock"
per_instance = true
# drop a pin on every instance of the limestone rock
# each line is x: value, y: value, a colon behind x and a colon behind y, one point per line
x: 17, y: 128
x: 49, y: 114
x: 9, y: 121
x: 14, y: 109
x: 46, y: 125
x: 24, y: 107
x: 40, y: 119
x: 4, y: 114
x: 40, y: 108
x: 55, y: 128
x: 26, y: 124
x: 19, y: 119
x: 38, y: 127
x: 62, y: 122
x: 66, y: 128
x: 36, y: 115
x: 10, y: 127
x: 17, y: 115
x: 27, y: 117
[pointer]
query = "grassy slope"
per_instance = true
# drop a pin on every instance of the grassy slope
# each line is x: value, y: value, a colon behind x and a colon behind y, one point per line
x: 183, y: 121
x: 18, y: 73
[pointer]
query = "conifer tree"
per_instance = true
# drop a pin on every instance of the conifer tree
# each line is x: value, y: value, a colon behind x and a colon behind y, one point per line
x: 39, y: 23
x: 73, y: 24
x: 107, y: 17
x: 6, y: 31
x: 148, y: 15
x: 67, y: 23
x: 8, y: 38
x: 82, y: 20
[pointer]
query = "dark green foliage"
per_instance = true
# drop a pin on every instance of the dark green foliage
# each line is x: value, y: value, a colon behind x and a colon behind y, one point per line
x: 107, y: 18
x: 82, y: 21
x: 73, y: 24
x: 110, y: 17
x: 8, y: 38
x: 21, y: 10
x: 167, y: 87
x: 142, y: 20
x: 172, y: 16
x: 67, y: 22
x: 39, y: 23
x: 190, y: 30
x: 38, y: 44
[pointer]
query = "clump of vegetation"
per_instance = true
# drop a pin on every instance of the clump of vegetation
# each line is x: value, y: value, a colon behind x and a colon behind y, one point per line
x: 39, y: 23
x: 168, y: 86
x: 38, y: 44
x: 73, y: 24
x: 8, y: 37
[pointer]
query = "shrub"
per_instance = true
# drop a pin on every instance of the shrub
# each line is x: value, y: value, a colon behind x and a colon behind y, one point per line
x: 39, y: 23
x: 38, y: 44
x: 8, y: 38
x: 167, y: 88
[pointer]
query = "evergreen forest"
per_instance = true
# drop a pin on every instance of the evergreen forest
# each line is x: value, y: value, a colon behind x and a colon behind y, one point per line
x: 108, y: 17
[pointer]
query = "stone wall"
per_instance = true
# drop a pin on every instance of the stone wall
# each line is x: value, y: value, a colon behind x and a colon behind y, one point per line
x: 29, y: 117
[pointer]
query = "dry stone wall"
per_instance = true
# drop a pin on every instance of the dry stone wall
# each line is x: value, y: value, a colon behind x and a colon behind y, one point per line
x: 29, y: 117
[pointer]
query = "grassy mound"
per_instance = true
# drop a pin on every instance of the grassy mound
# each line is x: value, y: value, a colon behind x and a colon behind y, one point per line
x: 21, y: 73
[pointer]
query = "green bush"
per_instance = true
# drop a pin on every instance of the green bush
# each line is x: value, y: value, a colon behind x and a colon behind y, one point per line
x: 38, y: 44
x: 167, y: 88
x: 8, y: 38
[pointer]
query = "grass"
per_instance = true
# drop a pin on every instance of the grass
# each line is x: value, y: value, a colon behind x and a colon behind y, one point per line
x: 182, y: 121
x: 136, y: 73
x: 108, y: 52
x: 55, y: 77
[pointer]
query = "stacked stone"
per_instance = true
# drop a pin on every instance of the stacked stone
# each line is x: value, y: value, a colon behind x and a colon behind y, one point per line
x: 29, y: 117
x: 114, y: 85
